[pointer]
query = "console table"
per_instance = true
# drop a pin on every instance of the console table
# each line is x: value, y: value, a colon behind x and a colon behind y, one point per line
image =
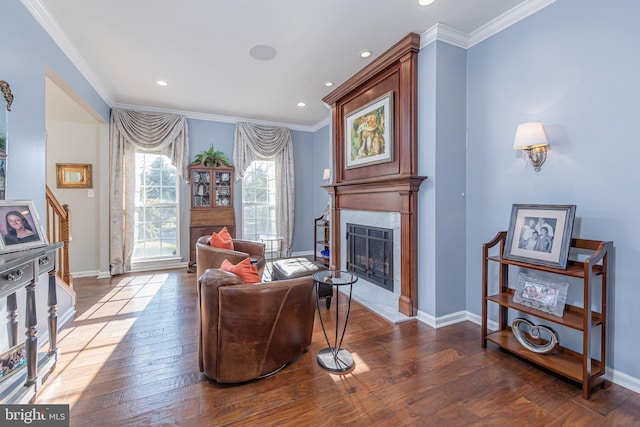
x: 334, y: 358
x: 21, y: 270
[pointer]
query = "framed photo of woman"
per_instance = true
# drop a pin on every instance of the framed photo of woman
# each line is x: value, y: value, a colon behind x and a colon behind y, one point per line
x: 20, y: 227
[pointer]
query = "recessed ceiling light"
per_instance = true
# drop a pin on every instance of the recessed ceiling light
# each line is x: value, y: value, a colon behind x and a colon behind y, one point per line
x: 425, y: 2
x: 328, y: 84
x: 161, y: 83
x: 301, y: 104
x: 262, y: 52
x: 365, y: 54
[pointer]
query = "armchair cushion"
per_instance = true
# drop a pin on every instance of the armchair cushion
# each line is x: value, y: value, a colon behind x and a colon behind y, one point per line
x: 222, y: 240
x: 244, y: 269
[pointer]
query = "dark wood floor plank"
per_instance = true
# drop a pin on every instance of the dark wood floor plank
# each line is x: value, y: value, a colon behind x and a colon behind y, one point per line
x: 129, y: 358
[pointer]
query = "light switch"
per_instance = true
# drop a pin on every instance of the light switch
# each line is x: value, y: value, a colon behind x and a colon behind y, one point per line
x: 90, y: 193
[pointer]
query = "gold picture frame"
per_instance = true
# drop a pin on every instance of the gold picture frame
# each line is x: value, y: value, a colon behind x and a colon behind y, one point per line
x: 73, y: 175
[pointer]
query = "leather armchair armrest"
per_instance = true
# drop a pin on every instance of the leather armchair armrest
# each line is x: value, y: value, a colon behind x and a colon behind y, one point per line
x: 255, y: 249
x: 204, y: 240
x: 208, y: 300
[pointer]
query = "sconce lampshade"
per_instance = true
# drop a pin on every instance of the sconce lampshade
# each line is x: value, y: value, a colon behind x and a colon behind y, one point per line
x: 530, y: 135
x: 325, y: 174
x: 531, y: 138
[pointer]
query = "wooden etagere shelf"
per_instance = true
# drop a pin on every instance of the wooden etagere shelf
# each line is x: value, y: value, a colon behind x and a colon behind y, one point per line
x: 321, y: 232
x: 580, y: 367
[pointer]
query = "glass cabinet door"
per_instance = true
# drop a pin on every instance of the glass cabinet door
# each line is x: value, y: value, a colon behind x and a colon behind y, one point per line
x: 223, y: 188
x: 201, y: 188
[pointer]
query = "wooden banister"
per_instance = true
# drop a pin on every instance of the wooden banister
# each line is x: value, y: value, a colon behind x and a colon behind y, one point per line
x: 59, y: 230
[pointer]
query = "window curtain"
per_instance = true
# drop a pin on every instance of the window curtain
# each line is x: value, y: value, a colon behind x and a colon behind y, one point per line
x: 132, y: 131
x: 255, y: 141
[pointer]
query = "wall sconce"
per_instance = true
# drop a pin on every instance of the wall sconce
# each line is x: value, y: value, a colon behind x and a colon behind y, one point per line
x: 531, y: 138
x: 326, y: 175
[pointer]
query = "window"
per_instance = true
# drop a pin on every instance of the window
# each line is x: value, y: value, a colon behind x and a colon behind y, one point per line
x: 259, y: 199
x: 156, y: 214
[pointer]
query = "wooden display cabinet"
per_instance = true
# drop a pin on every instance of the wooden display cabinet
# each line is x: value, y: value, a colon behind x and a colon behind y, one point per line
x: 582, y: 367
x: 211, y: 194
x: 321, y: 232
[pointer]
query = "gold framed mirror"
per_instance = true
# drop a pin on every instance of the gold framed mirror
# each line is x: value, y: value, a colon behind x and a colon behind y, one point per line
x: 73, y: 175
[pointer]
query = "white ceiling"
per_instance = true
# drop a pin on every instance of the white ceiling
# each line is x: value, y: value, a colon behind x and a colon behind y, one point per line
x: 201, y: 48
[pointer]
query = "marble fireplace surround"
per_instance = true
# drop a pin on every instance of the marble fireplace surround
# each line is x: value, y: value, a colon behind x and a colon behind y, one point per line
x: 372, y: 296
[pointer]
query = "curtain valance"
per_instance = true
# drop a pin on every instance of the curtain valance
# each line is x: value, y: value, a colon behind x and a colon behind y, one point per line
x: 256, y: 140
x: 157, y: 132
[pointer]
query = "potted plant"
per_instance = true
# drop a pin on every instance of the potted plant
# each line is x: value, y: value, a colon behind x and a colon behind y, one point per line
x: 211, y: 157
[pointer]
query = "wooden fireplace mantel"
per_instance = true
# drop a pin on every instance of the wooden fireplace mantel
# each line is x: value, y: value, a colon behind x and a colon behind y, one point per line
x: 390, y: 186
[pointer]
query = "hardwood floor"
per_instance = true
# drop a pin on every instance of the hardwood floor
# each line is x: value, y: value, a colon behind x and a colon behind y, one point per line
x: 130, y: 359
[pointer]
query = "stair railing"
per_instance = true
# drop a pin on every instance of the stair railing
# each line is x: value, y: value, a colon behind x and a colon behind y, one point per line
x: 59, y: 230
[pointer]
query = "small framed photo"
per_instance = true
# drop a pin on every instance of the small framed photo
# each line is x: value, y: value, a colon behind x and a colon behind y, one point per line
x: 74, y: 175
x: 541, y: 294
x: 540, y: 234
x: 369, y: 133
x: 20, y: 227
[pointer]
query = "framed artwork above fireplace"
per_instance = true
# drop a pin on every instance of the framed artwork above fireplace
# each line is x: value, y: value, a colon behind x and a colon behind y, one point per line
x: 369, y: 133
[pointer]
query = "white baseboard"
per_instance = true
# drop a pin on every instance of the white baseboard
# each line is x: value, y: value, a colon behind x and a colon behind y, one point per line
x: 78, y: 274
x: 104, y: 275
x: 302, y: 253
x: 442, y: 321
x: 616, y: 377
x: 623, y: 380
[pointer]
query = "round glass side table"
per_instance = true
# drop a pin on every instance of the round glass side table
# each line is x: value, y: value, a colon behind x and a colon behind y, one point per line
x: 334, y: 358
x: 270, y: 242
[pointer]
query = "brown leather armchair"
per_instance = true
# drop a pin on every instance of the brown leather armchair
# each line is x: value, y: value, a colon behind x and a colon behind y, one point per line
x: 210, y: 257
x: 249, y: 331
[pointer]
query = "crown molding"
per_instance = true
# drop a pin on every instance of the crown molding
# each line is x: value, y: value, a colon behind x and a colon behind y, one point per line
x: 507, y: 19
x: 221, y: 119
x: 51, y: 27
x: 446, y: 34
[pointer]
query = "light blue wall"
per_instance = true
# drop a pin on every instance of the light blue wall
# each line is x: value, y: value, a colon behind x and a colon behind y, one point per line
x: 450, y: 177
x: 574, y: 67
x: 441, y: 155
x: 321, y: 160
x: 303, y: 149
x: 26, y: 52
x: 427, y: 167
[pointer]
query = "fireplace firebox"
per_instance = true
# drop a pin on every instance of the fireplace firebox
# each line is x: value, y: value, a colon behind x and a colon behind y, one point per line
x: 370, y: 254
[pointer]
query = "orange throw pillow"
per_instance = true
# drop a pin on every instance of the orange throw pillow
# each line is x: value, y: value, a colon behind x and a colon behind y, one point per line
x: 222, y: 240
x: 244, y: 269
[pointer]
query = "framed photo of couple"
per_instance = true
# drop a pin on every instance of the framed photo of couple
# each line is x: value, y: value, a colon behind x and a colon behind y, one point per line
x: 20, y: 227
x: 540, y: 234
